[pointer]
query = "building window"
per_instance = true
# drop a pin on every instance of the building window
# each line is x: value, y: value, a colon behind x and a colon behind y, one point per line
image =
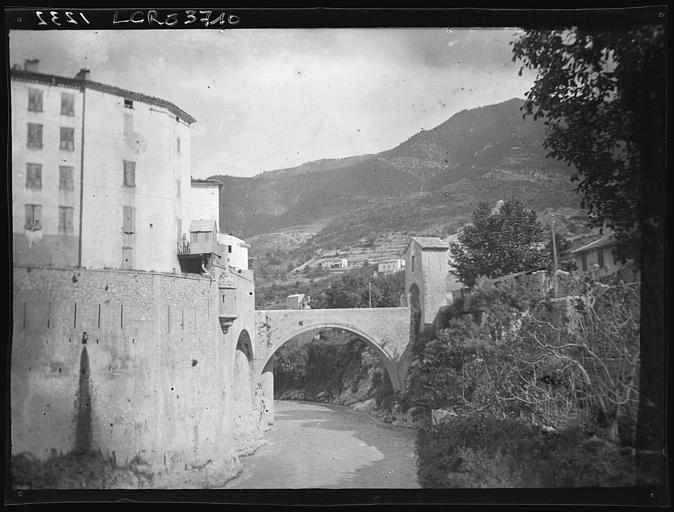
x: 177, y: 188
x: 67, y: 104
x: 128, y: 125
x: 207, y: 237
x: 128, y: 103
x: 34, y: 136
x: 583, y: 261
x: 129, y: 225
x: 66, y: 177
x: 67, y: 139
x: 127, y: 258
x: 33, y: 217
x: 613, y: 258
x: 178, y: 144
x: 600, y: 257
x: 34, y: 176
x: 229, y: 249
x: 194, y: 237
x: 412, y: 265
x: 129, y: 173
x: 35, y: 100
x: 66, y: 219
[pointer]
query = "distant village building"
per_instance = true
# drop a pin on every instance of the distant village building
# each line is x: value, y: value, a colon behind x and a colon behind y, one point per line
x: 298, y: 301
x: 334, y: 263
x: 237, y: 250
x: 101, y: 175
x: 391, y: 266
x: 599, y: 257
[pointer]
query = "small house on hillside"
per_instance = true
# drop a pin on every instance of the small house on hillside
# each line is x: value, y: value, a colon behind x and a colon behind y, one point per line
x: 335, y: 263
x: 298, y: 301
x: 391, y: 266
x: 599, y: 257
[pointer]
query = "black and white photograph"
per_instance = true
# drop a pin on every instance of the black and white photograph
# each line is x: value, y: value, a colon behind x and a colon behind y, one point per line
x: 360, y: 253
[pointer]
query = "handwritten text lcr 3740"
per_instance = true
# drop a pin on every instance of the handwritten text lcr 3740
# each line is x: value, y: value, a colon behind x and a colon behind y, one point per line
x: 170, y: 19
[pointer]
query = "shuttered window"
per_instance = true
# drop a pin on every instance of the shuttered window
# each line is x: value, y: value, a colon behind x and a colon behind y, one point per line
x: 33, y: 217
x: 129, y: 225
x: 66, y: 219
x: 35, y: 100
x: 66, y: 177
x: 67, y: 139
x: 129, y: 173
x: 67, y: 104
x: 34, y: 136
x: 34, y: 176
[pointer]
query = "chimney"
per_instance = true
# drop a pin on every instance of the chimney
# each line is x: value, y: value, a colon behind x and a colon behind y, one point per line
x: 31, y: 65
x: 82, y: 75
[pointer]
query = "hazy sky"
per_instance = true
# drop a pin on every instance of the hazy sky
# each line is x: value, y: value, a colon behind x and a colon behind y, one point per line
x: 269, y: 99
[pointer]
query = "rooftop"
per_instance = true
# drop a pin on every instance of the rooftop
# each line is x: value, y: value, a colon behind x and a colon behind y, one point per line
x: 33, y: 76
x: 207, y: 182
x: 605, y: 241
x: 202, y: 225
x: 428, y: 243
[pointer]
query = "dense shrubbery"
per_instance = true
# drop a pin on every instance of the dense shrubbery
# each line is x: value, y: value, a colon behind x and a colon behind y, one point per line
x: 484, y: 451
x: 530, y: 384
x: 76, y: 471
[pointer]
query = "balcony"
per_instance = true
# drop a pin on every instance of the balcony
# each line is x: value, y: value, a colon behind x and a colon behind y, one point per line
x: 227, y: 311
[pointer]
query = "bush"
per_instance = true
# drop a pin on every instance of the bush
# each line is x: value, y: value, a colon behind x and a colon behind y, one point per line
x: 76, y: 471
x: 483, y: 451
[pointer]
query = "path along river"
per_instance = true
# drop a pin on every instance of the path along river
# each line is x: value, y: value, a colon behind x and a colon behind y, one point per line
x: 329, y: 446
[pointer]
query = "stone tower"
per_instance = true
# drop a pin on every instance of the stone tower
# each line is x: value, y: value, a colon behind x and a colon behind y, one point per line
x: 426, y: 269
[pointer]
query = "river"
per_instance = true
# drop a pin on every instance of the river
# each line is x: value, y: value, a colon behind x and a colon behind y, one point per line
x: 329, y: 446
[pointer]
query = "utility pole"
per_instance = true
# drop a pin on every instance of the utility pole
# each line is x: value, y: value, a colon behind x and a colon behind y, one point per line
x: 554, y: 259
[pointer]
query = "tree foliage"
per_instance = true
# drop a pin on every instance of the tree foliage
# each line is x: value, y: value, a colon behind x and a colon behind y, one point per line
x: 497, y: 243
x: 602, y: 95
x: 354, y: 289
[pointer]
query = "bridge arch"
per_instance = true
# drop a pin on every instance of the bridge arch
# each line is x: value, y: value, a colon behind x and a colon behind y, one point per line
x: 386, y: 357
x: 245, y: 345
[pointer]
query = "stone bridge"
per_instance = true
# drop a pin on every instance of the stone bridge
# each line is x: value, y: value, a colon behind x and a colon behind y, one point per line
x: 387, y: 330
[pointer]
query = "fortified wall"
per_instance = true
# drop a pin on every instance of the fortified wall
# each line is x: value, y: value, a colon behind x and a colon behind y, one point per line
x: 136, y: 365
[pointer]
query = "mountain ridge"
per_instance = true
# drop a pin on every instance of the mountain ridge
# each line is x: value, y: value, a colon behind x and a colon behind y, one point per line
x: 477, y: 154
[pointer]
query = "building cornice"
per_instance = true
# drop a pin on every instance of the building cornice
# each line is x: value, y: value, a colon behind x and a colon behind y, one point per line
x: 76, y: 83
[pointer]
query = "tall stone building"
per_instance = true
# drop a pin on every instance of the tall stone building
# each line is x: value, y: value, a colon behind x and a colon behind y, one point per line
x: 101, y: 175
x: 133, y: 324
